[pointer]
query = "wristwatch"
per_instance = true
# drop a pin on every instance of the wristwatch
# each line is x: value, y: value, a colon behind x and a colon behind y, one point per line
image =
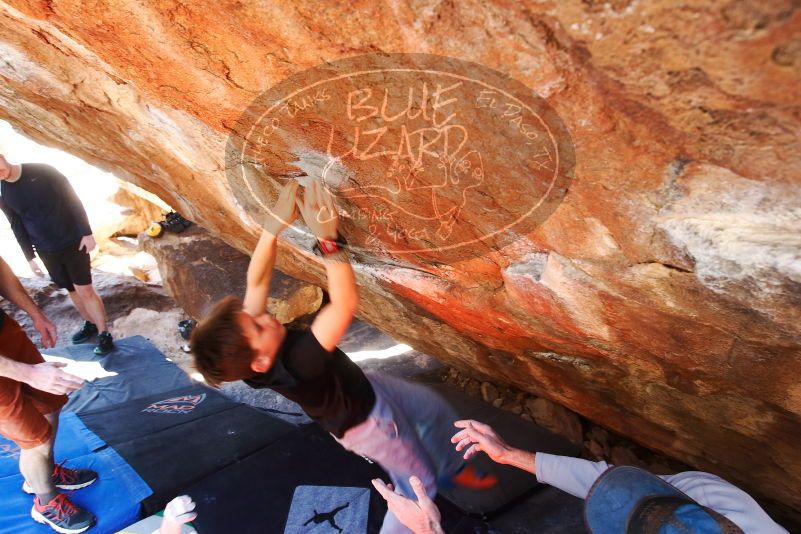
x: 328, y: 247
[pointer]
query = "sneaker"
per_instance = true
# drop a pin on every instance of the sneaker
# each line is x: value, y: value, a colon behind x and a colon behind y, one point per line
x: 185, y: 328
x: 61, y: 515
x: 105, y: 344
x: 67, y: 479
x: 472, y: 478
x: 87, y: 332
x: 175, y: 223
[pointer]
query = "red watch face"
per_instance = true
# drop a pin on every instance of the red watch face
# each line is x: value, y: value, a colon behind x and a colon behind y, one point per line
x: 328, y: 247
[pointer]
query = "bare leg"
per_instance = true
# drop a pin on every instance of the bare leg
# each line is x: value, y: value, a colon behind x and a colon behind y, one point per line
x: 36, y: 464
x: 93, y: 305
x: 52, y: 418
x: 77, y: 301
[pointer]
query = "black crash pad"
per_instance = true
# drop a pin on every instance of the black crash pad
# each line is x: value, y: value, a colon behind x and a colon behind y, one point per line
x: 255, y: 495
x: 179, y: 437
x: 546, y: 511
x: 147, y: 415
x: 513, y: 483
x: 141, y: 370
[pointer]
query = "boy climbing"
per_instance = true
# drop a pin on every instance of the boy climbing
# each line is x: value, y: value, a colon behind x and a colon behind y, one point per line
x: 400, y: 426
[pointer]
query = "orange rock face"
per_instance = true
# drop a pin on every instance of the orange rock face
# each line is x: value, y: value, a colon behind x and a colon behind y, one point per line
x: 661, y: 294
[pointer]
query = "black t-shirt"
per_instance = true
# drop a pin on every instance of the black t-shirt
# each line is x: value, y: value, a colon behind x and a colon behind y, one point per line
x: 329, y: 387
x: 43, y: 210
x: 2, y: 317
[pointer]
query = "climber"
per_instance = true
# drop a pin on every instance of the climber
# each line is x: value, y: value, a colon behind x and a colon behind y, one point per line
x: 400, y: 426
x: 48, y: 219
x: 32, y: 393
x: 621, y: 499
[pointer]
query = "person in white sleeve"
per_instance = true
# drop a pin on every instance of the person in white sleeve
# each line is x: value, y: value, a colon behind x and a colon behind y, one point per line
x: 618, y: 500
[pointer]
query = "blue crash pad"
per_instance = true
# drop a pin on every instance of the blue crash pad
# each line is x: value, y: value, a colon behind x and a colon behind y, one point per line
x: 114, y: 499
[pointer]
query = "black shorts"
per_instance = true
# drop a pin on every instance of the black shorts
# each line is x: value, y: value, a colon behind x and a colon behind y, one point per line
x: 68, y: 267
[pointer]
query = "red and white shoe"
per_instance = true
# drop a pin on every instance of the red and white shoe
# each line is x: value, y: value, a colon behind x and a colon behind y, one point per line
x: 61, y: 515
x: 67, y: 479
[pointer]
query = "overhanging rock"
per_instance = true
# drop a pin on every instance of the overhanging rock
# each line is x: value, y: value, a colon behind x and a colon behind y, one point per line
x: 660, y: 298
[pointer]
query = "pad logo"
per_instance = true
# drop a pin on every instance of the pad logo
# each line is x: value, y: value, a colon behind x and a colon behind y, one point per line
x: 328, y: 510
x: 330, y: 516
x: 176, y: 405
x: 9, y: 450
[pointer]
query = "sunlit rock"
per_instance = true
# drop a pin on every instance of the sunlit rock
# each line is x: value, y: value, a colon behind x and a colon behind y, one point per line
x: 660, y: 297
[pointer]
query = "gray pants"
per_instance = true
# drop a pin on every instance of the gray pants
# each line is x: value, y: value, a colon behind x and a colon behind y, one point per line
x: 408, y: 432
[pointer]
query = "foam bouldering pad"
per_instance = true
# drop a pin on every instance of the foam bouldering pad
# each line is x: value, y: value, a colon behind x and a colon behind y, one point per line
x: 114, y: 498
x: 297, y: 484
x: 134, y: 369
x: 178, y: 437
x: 547, y: 510
x: 513, y: 483
x: 154, y: 413
x: 454, y: 521
x: 326, y: 508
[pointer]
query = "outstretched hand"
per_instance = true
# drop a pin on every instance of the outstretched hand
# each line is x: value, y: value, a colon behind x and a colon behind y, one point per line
x: 421, y: 517
x: 49, y: 377
x: 479, y: 437
x: 178, y: 511
x: 284, y: 211
x: 181, y: 509
x: 318, y: 211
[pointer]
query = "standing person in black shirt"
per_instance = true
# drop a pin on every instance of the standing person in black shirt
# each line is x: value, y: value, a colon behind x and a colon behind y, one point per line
x: 48, y: 219
x: 400, y: 426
